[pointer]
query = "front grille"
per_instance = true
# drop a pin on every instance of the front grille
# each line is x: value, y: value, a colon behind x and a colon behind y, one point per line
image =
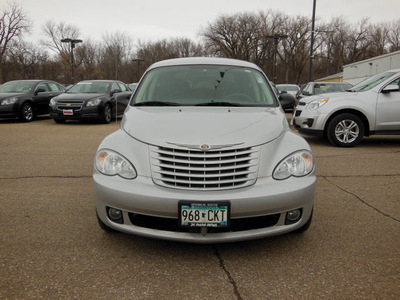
x: 204, y: 170
x: 167, y: 224
x: 75, y: 105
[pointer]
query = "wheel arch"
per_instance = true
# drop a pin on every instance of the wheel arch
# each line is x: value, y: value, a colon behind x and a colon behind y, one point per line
x: 351, y: 111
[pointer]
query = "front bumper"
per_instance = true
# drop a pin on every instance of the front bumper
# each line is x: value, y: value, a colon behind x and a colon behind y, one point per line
x: 309, y: 122
x: 9, y: 111
x: 83, y: 113
x: 266, y: 201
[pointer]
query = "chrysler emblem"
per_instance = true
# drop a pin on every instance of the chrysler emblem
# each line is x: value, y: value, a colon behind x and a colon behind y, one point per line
x: 204, y: 147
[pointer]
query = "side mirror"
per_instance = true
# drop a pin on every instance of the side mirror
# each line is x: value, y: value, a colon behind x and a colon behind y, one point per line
x: 116, y: 91
x: 283, y: 92
x: 306, y: 93
x: 39, y: 91
x: 390, y: 88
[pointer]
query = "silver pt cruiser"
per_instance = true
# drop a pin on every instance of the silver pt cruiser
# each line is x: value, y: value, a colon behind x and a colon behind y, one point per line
x: 204, y: 154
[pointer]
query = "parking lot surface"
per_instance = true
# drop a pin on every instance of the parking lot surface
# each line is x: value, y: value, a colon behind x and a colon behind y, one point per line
x: 51, y: 246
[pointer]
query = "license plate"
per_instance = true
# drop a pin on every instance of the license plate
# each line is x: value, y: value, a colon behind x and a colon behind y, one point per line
x: 68, y: 112
x: 204, y: 214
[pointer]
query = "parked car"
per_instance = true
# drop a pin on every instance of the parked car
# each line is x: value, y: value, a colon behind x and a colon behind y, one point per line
x: 288, y: 101
x: 370, y: 107
x: 91, y: 100
x: 26, y: 99
x: 316, y: 88
x: 289, y: 88
x: 204, y: 154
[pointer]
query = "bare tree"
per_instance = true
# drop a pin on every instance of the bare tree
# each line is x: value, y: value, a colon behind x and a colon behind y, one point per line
x: 13, y: 23
x: 55, y: 32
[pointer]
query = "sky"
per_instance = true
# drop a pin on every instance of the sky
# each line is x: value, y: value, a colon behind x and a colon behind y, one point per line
x: 153, y: 20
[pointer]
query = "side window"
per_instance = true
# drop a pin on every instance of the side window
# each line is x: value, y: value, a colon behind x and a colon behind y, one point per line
x: 115, y: 87
x: 43, y: 86
x: 122, y: 87
x: 54, y: 87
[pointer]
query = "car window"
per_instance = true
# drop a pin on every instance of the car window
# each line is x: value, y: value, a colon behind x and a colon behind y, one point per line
x: 17, y: 87
x: 54, y: 87
x: 90, y: 87
x: 115, y: 87
x: 122, y: 87
x: 372, y: 82
x: 197, y: 85
x: 43, y: 86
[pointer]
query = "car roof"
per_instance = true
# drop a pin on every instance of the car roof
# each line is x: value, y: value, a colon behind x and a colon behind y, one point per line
x: 203, y: 61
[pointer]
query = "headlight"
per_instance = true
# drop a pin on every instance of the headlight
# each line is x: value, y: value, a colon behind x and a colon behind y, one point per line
x: 111, y: 163
x: 9, y: 101
x: 313, y: 105
x: 297, y: 164
x: 94, y: 102
x: 53, y: 102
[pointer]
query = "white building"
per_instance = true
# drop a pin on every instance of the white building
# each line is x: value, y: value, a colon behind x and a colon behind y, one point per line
x: 356, y: 72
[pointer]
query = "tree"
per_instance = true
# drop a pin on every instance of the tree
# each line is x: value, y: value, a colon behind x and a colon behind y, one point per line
x: 13, y: 23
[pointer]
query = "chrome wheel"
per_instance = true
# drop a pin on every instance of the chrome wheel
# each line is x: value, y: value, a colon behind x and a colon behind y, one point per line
x: 347, y: 131
x: 27, y: 112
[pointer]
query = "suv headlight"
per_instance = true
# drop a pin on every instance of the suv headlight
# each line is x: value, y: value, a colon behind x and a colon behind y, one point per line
x: 9, y: 101
x: 313, y: 105
x: 112, y: 163
x: 93, y: 102
x: 53, y: 102
x: 297, y: 164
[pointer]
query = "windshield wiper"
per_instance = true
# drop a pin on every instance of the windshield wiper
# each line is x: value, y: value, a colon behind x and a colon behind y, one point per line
x: 219, y: 104
x: 157, y: 103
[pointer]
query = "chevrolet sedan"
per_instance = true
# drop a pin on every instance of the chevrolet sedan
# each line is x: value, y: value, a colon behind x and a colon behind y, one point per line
x: 204, y: 154
x: 91, y: 100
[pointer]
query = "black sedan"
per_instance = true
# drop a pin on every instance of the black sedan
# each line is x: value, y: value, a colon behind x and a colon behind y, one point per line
x: 91, y: 100
x: 288, y: 101
x: 26, y: 99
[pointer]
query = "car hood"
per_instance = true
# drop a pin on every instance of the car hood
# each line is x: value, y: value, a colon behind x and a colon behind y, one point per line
x: 79, y: 96
x: 195, y: 126
x: 328, y: 96
x: 8, y: 95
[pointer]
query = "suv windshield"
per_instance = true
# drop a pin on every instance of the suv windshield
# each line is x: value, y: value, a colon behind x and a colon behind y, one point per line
x: 371, y: 82
x: 90, y: 87
x: 204, y: 85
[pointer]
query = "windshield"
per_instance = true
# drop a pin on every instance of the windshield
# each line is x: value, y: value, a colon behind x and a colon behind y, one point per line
x: 287, y: 88
x: 204, y: 85
x: 17, y: 87
x: 89, y: 87
x: 323, y: 88
x: 371, y: 82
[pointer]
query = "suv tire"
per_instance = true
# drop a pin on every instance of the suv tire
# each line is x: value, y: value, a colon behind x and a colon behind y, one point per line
x: 345, y: 130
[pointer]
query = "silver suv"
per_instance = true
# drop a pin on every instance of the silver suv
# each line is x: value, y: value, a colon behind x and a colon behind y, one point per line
x: 370, y: 107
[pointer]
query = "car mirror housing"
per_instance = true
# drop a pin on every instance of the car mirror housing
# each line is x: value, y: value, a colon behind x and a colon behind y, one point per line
x: 390, y: 88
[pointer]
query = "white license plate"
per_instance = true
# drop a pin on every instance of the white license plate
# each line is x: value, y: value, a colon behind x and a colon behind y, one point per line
x: 68, y: 112
x: 204, y: 214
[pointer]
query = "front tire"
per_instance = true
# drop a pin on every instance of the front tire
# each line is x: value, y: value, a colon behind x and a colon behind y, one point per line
x: 345, y: 130
x: 27, y: 113
x: 107, y: 114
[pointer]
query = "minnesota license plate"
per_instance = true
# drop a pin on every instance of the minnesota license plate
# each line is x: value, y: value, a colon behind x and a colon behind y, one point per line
x: 68, y: 112
x: 204, y: 214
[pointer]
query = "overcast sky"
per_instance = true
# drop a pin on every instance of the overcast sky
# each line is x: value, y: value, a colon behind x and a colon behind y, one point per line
x: 151, y: 20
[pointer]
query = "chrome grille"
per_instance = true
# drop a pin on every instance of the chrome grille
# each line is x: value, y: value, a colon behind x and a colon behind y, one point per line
x: 75, y: 105
x: 204, y: 170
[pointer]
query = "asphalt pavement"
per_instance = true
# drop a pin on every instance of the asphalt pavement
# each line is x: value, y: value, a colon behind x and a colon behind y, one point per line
x: 51, y: 246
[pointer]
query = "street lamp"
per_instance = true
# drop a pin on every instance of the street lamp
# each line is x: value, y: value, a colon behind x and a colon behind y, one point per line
x: 276, y: 38
x: 72, y: 43
x: 138, y: 64
x: 312, y: 41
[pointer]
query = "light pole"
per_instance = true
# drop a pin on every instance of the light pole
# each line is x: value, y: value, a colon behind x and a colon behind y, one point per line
x: 138, y: 64
x: 276, y: 38
x: 312, y: 41
x: 72, y: 43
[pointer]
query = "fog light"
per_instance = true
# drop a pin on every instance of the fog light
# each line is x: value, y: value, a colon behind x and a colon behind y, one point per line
x: 293, y: 216
x: 115, y: 215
